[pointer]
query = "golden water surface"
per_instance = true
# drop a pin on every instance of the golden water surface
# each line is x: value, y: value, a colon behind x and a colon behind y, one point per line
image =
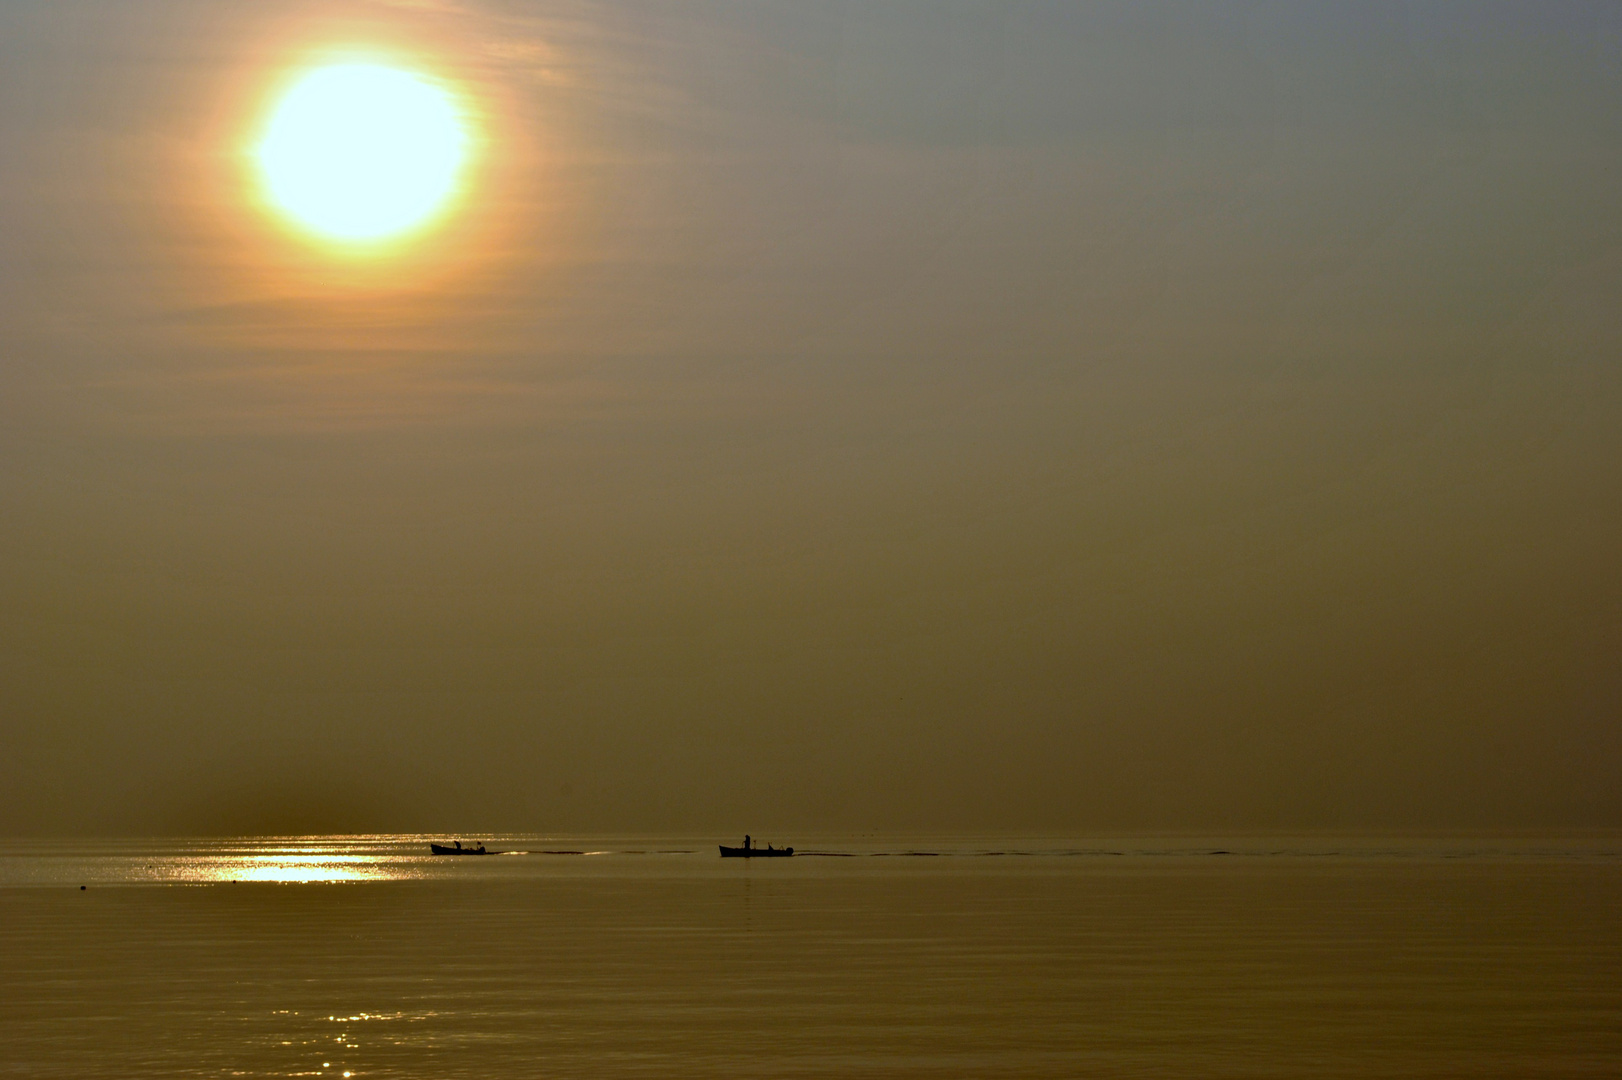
x: 366, y: 957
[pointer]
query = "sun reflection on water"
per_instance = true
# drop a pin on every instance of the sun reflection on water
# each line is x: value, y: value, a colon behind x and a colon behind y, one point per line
x: 292, y: 861
x: 295, y: 869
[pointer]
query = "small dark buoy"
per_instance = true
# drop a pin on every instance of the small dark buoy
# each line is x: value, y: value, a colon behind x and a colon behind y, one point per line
x: 81, y: 888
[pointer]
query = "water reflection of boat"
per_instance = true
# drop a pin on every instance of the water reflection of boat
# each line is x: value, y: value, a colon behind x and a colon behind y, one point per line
x: 458, y: 849
x: 749, y: 851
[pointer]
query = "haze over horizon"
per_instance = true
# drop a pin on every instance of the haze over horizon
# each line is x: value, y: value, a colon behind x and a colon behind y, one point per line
x: 822, y: 416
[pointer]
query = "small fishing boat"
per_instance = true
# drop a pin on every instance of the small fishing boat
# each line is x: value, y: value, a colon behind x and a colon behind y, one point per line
x: 749, y: 851
x: 458, y: 849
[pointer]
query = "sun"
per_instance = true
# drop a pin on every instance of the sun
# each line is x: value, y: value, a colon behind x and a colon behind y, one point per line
x: 361, y: 153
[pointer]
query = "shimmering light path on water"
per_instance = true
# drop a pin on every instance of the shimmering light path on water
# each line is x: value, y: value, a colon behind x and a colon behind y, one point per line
x: 657, y: 958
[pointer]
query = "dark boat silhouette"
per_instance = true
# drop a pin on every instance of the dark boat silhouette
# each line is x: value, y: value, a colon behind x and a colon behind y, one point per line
x: 749, y: 851
x: 458, y: 849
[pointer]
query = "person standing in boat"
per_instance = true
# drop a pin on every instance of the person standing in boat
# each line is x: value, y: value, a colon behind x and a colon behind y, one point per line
x: 746, y: 841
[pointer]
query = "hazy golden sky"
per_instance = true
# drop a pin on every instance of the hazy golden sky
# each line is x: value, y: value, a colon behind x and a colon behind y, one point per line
x: 818, y: 416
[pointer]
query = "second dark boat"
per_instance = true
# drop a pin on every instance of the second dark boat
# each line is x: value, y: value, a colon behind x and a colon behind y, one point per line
x: 458, y: 849
x: 749, y: 851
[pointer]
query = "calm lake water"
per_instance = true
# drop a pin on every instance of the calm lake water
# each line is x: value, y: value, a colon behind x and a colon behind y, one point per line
x: 365, y: 957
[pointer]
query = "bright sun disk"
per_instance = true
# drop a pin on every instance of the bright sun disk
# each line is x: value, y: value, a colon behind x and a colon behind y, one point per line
x: 362, y: 152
